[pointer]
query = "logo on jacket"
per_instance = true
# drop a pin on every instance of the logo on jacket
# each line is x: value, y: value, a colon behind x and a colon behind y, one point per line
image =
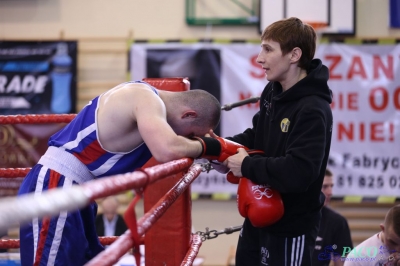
x: 264, y: 255
x: 285, y: 125
x: 267, y: 106
x: 329, y: 253
x: 260, y: 190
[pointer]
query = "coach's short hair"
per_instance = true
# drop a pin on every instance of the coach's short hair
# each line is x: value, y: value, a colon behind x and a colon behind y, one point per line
x: 291, y: 33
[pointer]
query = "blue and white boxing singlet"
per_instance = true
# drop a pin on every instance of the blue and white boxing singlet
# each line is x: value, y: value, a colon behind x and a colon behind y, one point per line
x: 80, y: 139
x: 74, y: 156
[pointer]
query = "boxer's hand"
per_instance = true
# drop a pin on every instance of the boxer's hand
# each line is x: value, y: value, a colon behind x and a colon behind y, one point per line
x: 218, y: 148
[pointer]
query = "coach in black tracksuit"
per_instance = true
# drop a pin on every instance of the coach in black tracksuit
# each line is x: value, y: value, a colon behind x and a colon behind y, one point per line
x: 293, y: 127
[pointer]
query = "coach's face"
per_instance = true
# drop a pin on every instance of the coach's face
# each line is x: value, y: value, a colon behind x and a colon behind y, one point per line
x: 275, y: 64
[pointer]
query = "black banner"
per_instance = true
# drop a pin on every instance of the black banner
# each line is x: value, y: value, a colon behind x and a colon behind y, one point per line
x: 38, y: 77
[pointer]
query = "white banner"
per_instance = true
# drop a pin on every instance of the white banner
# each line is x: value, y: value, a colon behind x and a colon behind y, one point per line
x: 365, y: 152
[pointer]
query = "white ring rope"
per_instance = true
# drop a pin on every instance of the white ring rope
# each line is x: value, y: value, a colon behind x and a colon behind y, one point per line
x: 15, y: 211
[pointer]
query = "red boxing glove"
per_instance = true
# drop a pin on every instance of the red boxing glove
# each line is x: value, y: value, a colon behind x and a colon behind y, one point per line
x: 218, y: 148
x: 231, y: 178
x: 260, y: 203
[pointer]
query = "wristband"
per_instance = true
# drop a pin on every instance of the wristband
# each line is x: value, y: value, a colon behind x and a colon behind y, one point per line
x: 210, y: 146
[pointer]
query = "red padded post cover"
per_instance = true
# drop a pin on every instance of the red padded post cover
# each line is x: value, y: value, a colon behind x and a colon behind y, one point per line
x: 168, y: 240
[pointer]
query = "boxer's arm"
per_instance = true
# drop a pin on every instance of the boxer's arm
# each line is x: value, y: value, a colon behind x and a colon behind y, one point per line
x: 217, y: 148
x: 164, y: 144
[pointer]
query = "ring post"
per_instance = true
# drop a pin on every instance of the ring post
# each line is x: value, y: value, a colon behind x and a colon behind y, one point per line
x: 168, y: 240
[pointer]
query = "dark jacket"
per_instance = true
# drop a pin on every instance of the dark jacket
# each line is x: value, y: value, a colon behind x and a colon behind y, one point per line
x: 333, y: 237
x: 294, y: 130
x: 120, y: 226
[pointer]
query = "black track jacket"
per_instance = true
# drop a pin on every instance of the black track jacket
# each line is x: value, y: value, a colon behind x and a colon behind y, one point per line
x: 294, y: 129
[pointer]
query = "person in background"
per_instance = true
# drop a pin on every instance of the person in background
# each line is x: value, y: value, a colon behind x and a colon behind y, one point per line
x: 381, y: 249
x: 334, y: 233
x: 110, y: 222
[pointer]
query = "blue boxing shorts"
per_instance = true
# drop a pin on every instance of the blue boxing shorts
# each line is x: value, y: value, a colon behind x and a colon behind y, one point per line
x: 69, y: 238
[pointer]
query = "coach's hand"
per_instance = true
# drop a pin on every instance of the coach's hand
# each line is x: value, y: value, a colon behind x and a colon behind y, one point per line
x: 235, y: 161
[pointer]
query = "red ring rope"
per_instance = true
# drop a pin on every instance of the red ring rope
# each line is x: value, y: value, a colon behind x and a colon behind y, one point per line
x: 36, y: 119
x: 118, y: 245
x: 22, y: 209
x: 15, y: 243
x: 104, y: 187
x: 14, y: 172
x: 122, y: 245
x: 193, y: 251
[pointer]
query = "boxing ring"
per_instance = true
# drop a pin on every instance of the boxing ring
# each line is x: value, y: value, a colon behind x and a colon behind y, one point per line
x: 165, y: 189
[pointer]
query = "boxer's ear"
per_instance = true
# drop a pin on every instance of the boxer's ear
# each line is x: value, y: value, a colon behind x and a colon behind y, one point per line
x: 189, y: 114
